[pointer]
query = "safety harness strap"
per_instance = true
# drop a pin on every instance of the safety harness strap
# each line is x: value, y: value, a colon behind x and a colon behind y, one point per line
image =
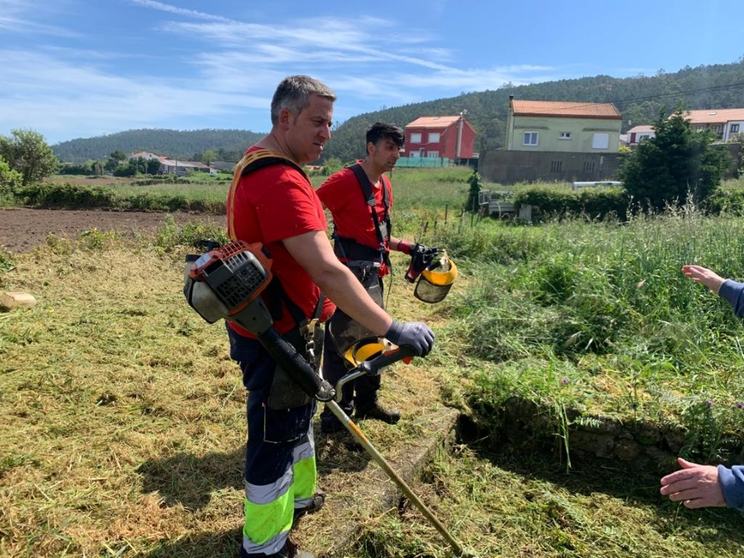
x: 275, y: 292
x: 349, y: 248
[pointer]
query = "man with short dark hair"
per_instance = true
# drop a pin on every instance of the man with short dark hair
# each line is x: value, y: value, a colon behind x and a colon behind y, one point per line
x: 359, y: 199
x: 272, y: 202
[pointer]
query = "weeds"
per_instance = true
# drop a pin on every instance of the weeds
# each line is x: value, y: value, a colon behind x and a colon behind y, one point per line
x: 617, y: 292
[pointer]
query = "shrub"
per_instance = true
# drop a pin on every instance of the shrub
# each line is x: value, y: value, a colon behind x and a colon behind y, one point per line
x: 676, y: 163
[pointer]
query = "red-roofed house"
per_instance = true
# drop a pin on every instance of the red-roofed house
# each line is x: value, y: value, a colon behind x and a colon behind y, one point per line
x: 562, y: 127
x: 724, y: 123
x: 451, y: 137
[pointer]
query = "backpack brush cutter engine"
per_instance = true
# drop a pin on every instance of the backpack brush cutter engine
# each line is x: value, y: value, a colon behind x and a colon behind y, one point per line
x: 225, y: 283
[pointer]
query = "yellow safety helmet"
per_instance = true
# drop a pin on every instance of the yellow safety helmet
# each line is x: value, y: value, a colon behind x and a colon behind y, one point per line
x: 436, y: 280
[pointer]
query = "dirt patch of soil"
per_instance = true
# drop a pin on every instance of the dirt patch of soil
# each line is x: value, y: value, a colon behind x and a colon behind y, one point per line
x: 23, y: 229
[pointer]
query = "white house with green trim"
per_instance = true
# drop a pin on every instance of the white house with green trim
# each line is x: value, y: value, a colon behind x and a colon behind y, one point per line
x: 557, y: 126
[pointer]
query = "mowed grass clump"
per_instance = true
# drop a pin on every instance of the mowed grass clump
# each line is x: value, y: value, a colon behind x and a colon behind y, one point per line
x: 515, y: 504
x: 123, y: 417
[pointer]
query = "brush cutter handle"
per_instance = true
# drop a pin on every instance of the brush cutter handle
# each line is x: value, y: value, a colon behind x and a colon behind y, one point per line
x: 373, y: 366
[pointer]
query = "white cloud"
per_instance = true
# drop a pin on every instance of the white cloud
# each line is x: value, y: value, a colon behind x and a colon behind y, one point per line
x: 178, y: 11
x: 73, y: 96
x: 225, y: 70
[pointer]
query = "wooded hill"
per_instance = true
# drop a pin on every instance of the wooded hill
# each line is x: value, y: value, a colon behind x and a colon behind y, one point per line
x: 228, y: 145
x: 640, y: 100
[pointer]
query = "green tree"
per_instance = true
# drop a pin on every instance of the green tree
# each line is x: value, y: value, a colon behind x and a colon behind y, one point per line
x: 28, y: 153
x: 676, y: 163
x: 332, y: 165
x: 115, y: 159
x: 208, y: 157
x: 153, y: 166
x: 10, y: 180
x: 473, y: 195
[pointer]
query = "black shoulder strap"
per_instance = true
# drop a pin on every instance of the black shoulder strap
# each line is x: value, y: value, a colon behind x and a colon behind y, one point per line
x: 268, y: 161
x: 369, y: 195
x: 275, y: 290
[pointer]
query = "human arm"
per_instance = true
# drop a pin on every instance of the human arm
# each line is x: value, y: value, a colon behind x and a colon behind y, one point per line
x: 697, y: 486
x: 732, y: 485
x: 314, y: 253
x: 400, y: 245
x: 705, y: 276
x: 729, y: 290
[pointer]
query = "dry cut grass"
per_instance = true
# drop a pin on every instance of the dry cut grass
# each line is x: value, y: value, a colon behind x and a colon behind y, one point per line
x: 122, y: 434
x: 122, y: 417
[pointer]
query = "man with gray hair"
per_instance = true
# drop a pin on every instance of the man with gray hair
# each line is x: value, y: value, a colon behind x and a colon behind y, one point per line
x: 272, y: 202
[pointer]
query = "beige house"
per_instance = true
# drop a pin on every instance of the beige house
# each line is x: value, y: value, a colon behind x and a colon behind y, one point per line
x: 724, y: 123
x: 559, y: 126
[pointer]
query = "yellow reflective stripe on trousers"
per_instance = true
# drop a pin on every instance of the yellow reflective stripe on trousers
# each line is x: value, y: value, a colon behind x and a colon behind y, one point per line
x: 304, y: 482
x: 267, y: 525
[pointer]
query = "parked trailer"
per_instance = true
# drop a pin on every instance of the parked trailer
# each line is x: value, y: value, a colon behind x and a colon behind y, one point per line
x: 601, y: 183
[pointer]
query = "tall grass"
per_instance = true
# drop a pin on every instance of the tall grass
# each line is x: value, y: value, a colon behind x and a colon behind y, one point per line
x: 565, y: 302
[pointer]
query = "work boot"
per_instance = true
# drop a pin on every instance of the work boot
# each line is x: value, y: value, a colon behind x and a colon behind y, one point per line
x: 315, y: 504
x: 330, y: 425
x: 378, y: 412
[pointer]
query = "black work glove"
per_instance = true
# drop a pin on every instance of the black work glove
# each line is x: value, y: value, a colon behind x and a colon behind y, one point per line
x: 421, y: 258
x: 414, y: 334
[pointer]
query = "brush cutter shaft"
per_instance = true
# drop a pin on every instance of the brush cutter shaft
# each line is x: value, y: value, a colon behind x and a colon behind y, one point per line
x: 371, y: 367
x: 374, y: 454
x: 297, y: 367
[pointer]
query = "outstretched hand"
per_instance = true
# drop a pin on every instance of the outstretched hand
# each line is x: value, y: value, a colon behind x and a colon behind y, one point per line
x: 704, y: 275
x: 695, y: 485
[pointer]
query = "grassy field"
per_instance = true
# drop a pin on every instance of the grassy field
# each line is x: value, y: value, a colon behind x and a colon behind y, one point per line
x: 123, y: 418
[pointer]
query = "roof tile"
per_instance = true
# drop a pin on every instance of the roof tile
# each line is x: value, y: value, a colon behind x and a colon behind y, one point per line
x: 565, y: 109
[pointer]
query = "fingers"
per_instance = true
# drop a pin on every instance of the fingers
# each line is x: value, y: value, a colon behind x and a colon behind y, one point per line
x: 687, y: 464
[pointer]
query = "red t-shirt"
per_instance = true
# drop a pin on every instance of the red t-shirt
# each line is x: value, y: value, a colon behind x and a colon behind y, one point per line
x: 344, y: 198
x: 270, y: 204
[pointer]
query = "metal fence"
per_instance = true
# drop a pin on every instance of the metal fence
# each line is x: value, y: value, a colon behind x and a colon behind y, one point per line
x: 424, y: 162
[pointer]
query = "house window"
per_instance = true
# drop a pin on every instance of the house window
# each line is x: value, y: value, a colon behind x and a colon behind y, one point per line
x: 433, y: 154
x: 601, y: 141
x: 564, y: 135
x: 556, y: 166
x: 434, y: 137
x: 734, y: 128
x: 413, y: 154
x: 415, y: 138
x: 588, y: 166
x: 530, y: 138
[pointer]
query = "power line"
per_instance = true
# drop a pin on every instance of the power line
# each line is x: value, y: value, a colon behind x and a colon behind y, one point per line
x: 681, y: 93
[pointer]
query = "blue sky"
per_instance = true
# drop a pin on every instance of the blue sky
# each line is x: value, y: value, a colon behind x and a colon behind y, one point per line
x: 76, y: 68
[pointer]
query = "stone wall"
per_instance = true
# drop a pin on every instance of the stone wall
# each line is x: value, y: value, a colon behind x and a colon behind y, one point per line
x: 633, y: 445
x: 510, y: 167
